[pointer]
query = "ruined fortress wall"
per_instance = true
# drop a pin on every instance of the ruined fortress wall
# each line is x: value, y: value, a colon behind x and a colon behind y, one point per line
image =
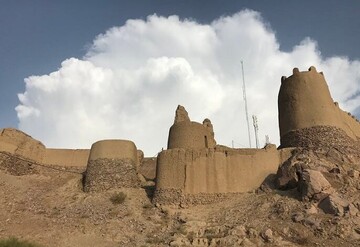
x: 16, y: 142
x: 304, y: 101
x: 66, y: 157
x: 147, y: 168
x: 190, y: 135
x: 349, y: 122
x: 212, y: 172
x: 170, y: 169
x: 218, y: 172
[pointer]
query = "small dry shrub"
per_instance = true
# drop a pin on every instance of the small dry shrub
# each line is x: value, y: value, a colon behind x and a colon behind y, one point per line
x: 148, y: 205
x: 181, y: 230
x: 118, y: 198
x: 154, y: 240
x: 14, y: 242
x: 302, y: 241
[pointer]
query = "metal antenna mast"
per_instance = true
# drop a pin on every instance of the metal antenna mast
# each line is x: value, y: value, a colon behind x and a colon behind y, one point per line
x: 246, y: 108
x: 256, y: 128
x: 267, y: 139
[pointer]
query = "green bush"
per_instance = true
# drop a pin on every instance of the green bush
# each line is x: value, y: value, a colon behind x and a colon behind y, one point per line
x: 117, y: 198
x: 14, y: 242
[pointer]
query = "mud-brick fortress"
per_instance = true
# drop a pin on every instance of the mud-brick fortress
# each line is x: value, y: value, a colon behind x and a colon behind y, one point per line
x: 195, y: 169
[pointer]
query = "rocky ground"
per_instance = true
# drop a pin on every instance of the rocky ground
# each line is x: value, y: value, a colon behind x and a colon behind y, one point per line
x: 314, y: 200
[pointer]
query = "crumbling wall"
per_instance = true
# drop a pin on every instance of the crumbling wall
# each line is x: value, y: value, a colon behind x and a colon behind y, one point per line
x: 112, y: 164
x: 16, y: 142
x: 66, y: 157
x: 147, y: 168
x: 305, y: 102
x: 190, y: 135
x: 194, y: 170
x: 183, y: 174
x: 224, y: 172
x: 186, y: 134
x: 17, y: 165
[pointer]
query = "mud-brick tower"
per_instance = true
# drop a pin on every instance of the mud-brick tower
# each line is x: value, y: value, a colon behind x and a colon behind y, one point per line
x: 112, y: 164
x: 308, y: 116
x: 187, y: 134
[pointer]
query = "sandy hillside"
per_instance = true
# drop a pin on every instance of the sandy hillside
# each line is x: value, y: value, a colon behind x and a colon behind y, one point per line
x: 48, y: 206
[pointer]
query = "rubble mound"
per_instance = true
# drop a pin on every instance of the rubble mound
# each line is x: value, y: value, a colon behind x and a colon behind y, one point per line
x: 16, y: 165
x: 105, y: 174
x: 326, y: 180
x: 321, y: 137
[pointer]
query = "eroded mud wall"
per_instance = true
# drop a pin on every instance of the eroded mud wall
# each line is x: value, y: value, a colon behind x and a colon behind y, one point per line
x: 222, y: 172
x: 185, y: 173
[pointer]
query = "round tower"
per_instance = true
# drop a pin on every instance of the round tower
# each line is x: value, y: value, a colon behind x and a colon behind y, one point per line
x: 304, y: 101
x: 112, y: 164
x: 191, y: 135
x: 308, y: 116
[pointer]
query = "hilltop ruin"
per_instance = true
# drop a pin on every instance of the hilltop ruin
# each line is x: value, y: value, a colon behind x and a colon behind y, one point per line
x: 303, y: 193
x: 194, y: 168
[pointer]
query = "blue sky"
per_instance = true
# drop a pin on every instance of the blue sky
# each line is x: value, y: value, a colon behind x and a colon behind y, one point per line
x: 37, y: 36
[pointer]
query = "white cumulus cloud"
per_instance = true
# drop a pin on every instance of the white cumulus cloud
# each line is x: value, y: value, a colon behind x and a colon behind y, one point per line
x: 132, y: 78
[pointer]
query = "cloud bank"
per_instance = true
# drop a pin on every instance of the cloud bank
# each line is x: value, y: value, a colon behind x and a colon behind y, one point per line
x: 132, y: 78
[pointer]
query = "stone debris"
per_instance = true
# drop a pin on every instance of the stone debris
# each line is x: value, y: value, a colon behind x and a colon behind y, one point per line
x: 267, y: 235
x: 353, y: 210
x: 354, y: 174
x: 16, y: 165
x: 180, y: 241
x: 314, y: 186
x: 239, y: 231
x: 333, y: 204
x: 105, y: 174
x: 287, y: 176
x: 298, y: 217
x: 312, y: 209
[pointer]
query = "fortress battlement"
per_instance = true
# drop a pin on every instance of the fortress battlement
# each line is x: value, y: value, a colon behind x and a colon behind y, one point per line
x: 311, y: 72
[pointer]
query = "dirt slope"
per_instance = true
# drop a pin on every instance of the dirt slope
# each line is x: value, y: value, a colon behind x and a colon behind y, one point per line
x: 49, y: 207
